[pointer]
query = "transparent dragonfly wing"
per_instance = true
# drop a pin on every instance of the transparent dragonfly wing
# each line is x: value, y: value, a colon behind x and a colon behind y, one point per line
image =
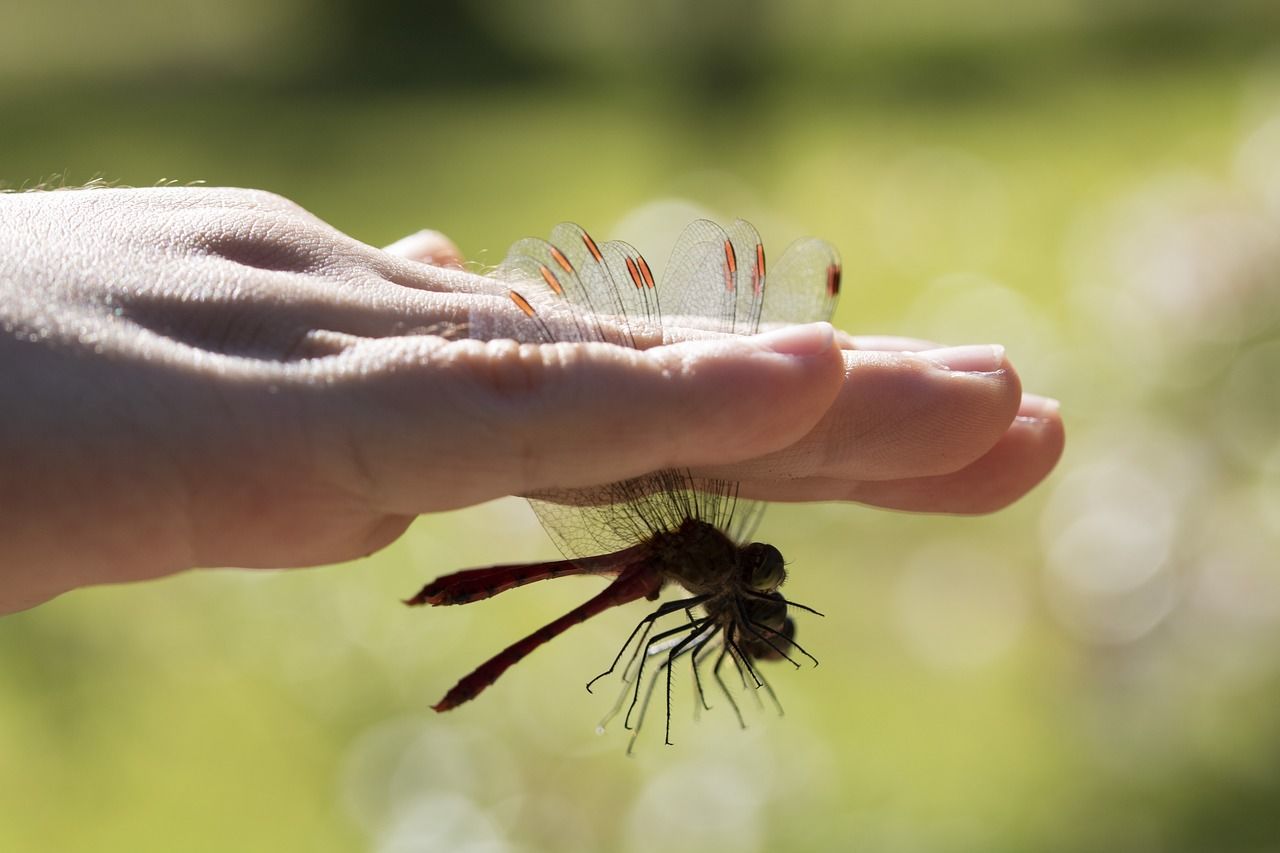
x: 749, y: 252
x: 569, y: 269
x: 571, y: 288
x: 585, y: 522
x: 804, y: 285
x: 710, y: 281
x: 637, y: 294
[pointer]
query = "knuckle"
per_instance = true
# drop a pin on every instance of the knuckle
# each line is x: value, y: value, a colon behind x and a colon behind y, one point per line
x: 515, y: 374
x: 262, y: 239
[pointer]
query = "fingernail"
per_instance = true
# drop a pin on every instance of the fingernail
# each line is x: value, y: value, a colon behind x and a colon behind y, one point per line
x: 1037, y: 408
x: 801, y: 341
x: 982, y: 358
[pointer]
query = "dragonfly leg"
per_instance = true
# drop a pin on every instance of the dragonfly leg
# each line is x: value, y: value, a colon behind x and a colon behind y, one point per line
x: 657, y: 638
x: 806, y: 608
x: 768, y: 688
x: 697, y: 676
x: 715, y: 671
x: 683, y: 647
x: 669, y: 607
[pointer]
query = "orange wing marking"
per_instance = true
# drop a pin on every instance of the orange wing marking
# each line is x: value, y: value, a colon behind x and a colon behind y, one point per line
x: 592, y: 247
x: 561, y: 260
x: 730, y: 265
x: 550, y: 278
x: 833, y: 280
x: 644, y: 271
x: 634, y: 272
x: 522, y: 303
x: 757, y: 274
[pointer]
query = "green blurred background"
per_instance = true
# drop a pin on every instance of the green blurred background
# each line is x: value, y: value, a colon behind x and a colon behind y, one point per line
x: 1095, y: 184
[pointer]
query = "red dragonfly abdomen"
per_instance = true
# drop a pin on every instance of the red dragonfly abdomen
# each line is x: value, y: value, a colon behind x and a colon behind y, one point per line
x: 640, y: 581
x: 477, y: 584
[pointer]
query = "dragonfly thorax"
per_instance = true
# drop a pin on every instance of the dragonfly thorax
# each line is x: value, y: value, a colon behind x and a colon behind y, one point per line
x: 702, y: 559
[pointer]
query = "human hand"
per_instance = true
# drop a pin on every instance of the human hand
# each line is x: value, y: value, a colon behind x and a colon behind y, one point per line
x: 200, y: 377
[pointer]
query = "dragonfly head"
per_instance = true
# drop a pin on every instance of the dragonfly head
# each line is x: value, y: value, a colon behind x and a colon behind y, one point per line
x: 762, y: 567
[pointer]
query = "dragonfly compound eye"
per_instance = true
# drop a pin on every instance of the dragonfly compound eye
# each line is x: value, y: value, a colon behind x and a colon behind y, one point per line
x: 763, y: 566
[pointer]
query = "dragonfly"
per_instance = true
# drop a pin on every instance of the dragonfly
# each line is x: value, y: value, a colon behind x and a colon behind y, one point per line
x: 669, y: 528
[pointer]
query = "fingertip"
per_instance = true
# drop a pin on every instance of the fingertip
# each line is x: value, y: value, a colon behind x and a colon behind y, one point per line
x: 983, y: 377
x: 1019, y: 462
x: 983, y: 391
x: 427, y: 247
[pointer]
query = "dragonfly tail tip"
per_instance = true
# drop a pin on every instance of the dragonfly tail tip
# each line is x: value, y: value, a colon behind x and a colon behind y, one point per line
x: 423, y: 597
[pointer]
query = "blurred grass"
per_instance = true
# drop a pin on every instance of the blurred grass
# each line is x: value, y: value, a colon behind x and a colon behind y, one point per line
x: 265, y: 711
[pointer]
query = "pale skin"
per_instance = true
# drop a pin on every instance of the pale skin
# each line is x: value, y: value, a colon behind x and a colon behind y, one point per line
x: 203, y: 377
